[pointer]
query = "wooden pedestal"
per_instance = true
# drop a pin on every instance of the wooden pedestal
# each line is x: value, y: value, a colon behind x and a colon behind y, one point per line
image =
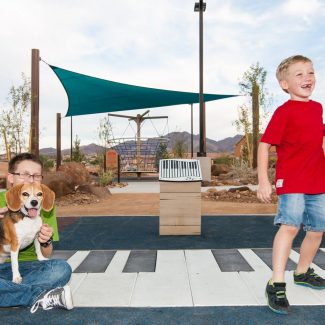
x: 180, y: 208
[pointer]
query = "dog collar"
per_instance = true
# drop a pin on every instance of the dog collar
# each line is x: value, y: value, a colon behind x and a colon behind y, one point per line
x: 24, y: 214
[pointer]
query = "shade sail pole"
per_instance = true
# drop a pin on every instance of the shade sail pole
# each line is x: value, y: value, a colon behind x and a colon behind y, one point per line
x: 58, y: 141
x: 201, y: 6
x: 71, y: 138
x: 34, y: 128
x: 192, y: 131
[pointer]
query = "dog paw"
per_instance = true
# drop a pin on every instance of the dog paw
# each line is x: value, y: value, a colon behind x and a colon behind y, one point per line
x: 17, y: 279
x: 42, y: 258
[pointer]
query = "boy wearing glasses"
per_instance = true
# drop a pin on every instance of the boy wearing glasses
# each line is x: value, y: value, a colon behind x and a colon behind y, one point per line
x: 44, y: 282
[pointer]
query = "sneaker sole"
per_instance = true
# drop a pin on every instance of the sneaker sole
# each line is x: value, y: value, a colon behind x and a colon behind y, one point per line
x: 304, y: 284
x: 280, y: 312
x: 68, y: 295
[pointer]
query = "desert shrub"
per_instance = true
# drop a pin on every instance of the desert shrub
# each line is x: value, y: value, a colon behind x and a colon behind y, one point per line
x: 106, y: 178
x: 161, y: 153
x: 241, y: 170
x: 217, y: 169
x: 48, y: 163
x: 224, y: 160
x: 76, y: 171
x: 272, y: 161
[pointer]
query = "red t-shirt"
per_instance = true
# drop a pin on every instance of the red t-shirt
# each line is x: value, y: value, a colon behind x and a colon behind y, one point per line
x: 296, y: 129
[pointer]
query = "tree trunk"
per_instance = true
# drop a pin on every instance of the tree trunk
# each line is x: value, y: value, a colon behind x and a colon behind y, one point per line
x: 8, y: 153
x: 256, y: 122
x: 249, y: 150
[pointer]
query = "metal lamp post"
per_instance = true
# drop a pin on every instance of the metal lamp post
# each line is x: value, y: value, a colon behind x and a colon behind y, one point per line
x: 200, y: 7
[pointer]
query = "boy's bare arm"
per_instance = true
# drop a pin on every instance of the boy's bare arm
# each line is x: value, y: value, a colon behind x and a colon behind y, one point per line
x: 264, y: 189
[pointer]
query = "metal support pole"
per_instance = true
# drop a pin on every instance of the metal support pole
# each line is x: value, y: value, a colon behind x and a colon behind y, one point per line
x: 34, y: 130
x: 71, y: 138
x: 58, y: 141
x: 138, y: 121
x: 202, y: 153
x: 118, y: 168
x: 191, y: 130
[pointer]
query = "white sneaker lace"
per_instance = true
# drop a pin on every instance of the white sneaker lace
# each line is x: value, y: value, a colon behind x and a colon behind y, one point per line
x: 48, y: 301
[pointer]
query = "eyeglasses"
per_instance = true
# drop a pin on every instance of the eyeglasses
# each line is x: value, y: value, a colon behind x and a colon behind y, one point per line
x: 26, y: 177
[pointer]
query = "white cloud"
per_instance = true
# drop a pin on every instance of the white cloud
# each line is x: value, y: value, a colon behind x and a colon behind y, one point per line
x: 301, y: 7
x: 155, y: 44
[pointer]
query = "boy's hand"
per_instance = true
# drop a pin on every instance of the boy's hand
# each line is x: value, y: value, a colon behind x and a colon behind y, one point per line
x: 45, y: 233
x: 264, y: 192
x: 3, y: 211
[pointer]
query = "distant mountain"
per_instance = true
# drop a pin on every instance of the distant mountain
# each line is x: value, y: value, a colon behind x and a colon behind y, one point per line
x: 225, y: 145
x: 47, y: 151
x: 89, y: 149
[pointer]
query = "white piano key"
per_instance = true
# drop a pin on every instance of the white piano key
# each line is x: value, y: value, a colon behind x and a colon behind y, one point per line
x: 201, y: 261
x: 76, y: 259
x: 76, y: 280
x: 171, y: 262
x: 210, y: 287
x: 254, y: 261
x: 105, y: 290
x: 118, y: 262
x: 167, y: 287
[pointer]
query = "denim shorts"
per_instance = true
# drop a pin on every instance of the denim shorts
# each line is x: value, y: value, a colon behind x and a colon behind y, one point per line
x: 306, y: 209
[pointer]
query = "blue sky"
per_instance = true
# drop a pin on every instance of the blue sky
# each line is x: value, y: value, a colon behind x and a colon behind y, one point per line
x: 155, y: 44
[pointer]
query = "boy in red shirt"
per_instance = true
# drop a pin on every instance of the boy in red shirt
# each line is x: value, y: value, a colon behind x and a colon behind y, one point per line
x: 296, y: 129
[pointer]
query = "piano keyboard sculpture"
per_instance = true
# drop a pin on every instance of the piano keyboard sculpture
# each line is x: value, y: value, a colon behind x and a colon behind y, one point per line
x: 180, y: 197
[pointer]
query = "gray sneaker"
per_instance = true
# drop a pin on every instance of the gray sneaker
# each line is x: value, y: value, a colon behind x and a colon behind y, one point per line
x: 56, y: 298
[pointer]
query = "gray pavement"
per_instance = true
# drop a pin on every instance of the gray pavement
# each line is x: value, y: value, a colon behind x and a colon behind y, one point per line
x: 153, y: 187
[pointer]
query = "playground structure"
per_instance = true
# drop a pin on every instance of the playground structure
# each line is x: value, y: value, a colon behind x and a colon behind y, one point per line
x: 91, y: 95
x: 138, y: 155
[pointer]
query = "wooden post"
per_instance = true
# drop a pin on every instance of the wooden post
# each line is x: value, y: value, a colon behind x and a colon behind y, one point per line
x: 8, y: 151
x: 58, y: 140
x: 34, y: 136
x: 255, y: 109
x: 118, y: 168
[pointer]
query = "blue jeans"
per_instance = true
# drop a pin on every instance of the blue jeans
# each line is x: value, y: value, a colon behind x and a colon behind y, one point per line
x: 306, y: 209
x: 38, y: 277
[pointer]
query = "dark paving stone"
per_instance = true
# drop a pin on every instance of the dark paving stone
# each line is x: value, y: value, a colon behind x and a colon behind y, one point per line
x: 141, y: 261
x: 95, y: 262
x: 266, y: 256
x: 62, y: 255
x: 230, y: 260
x: 319, y: 259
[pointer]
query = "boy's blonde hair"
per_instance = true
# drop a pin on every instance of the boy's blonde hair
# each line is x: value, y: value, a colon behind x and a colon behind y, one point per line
x: 286, y: 63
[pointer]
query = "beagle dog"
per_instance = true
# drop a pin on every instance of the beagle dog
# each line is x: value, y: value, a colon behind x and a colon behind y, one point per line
x: 20, y: 225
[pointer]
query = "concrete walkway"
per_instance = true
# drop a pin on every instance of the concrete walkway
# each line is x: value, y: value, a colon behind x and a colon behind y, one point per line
x: 153, y: 187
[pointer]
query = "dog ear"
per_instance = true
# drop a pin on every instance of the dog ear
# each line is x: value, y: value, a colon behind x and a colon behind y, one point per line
x: 13, y: 198
x: 48, y: 198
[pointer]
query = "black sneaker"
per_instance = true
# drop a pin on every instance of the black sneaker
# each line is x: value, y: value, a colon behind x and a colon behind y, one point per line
x: 276, y: 297
x: 56, y: 298
x: 309, y: 279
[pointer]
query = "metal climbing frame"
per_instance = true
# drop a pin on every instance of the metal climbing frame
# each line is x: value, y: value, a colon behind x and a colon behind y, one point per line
x: 138, y: 156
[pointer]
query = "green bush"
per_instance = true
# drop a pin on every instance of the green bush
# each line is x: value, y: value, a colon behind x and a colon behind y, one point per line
x: 225, y: 160
x: 47, y: 162
x: 106, y: 178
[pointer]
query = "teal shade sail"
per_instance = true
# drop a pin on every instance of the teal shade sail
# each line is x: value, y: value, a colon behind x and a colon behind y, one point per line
x: 90, y: 95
